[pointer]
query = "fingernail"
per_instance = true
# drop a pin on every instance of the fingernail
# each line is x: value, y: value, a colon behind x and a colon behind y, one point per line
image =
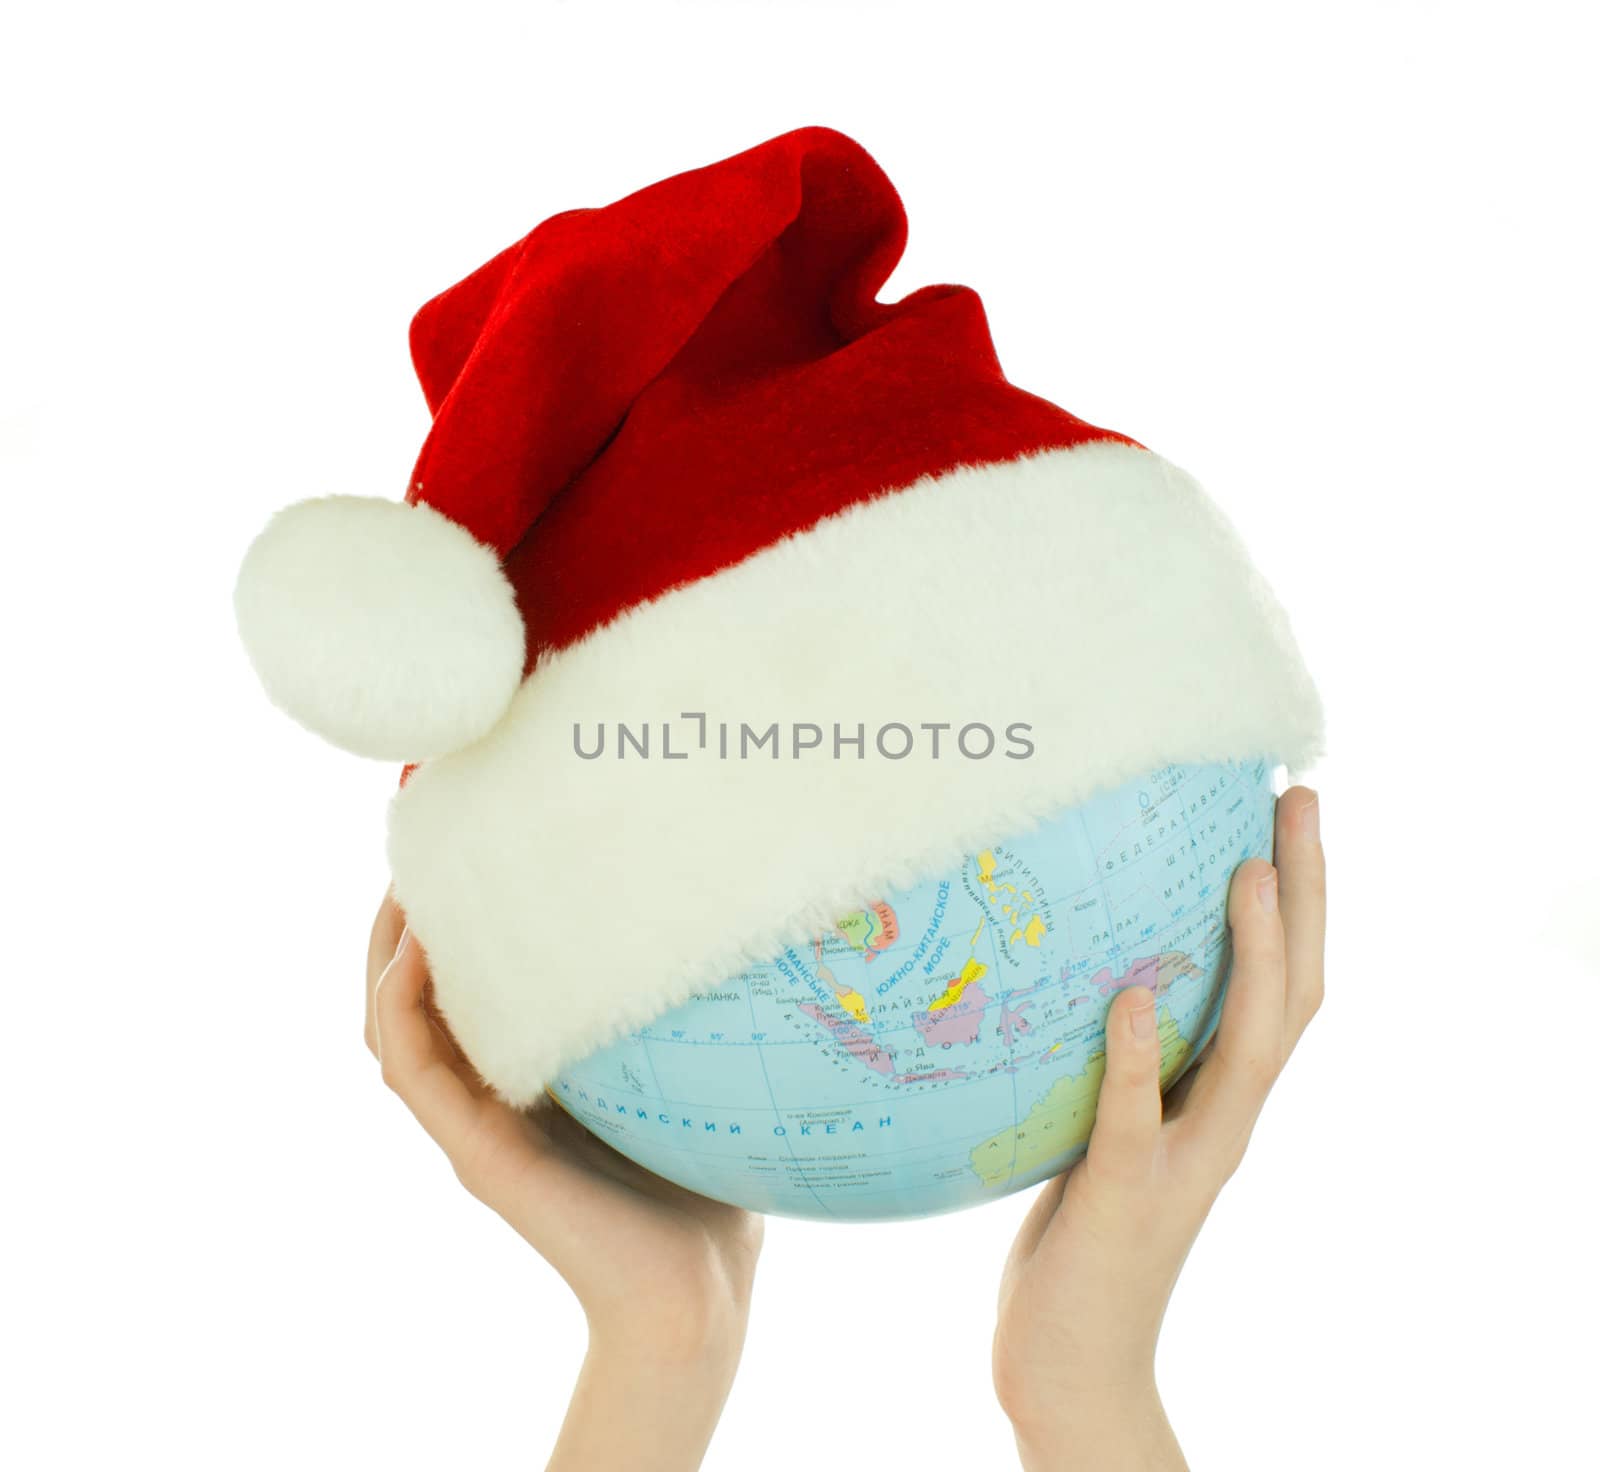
x: 1267, y: 892
x: 1311, y: 817
x: 400, y: 948
x: 1143, y: 1019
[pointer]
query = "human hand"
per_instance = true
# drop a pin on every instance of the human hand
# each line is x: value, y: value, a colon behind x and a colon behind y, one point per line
x: 1088, y: 1280
x: 664, y: 1276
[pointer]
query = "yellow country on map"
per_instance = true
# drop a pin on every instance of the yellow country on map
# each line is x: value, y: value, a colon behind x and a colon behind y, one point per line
x: 952, y: 993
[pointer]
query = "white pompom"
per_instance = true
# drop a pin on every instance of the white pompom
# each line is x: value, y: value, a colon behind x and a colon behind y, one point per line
x: 382, y: 626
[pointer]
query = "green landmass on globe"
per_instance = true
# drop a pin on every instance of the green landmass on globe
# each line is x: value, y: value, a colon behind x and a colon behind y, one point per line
x: 944, y: 1045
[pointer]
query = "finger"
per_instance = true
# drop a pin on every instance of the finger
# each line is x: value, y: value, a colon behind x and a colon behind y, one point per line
x: 461, y: 1065
x: 1302, y: 883
x: 381, y: 946
x: 1173, y: 1101
x: 415, y: 1063
x: 1229, y: 1091
x: 1127, y: 1123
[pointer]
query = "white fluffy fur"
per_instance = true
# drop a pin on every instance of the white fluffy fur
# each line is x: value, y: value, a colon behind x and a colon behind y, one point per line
x: 381, y: 626
x: 1095, y: 593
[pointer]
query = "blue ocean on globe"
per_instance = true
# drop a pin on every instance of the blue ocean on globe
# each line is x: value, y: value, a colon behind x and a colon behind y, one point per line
x: 943, y: 1046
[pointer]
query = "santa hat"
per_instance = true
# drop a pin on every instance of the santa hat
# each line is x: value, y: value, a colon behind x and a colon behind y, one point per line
x: 693, y: 493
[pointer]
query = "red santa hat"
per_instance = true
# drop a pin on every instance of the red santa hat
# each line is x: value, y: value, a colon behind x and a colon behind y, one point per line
x: 687, y: 476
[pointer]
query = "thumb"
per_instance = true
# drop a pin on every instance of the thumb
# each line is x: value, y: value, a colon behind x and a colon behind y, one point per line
x: 1127, y: 1125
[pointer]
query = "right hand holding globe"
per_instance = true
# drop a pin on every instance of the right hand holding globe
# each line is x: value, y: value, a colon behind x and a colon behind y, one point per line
x: 1088, y: 1280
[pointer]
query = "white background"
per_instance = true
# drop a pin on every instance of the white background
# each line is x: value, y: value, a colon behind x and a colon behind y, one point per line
x: 1338, y: 262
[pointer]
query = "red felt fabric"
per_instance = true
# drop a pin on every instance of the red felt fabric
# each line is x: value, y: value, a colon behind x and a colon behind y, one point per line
x: 636, y: 396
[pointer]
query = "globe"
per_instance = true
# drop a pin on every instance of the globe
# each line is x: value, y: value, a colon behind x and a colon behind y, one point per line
x: 944, y: 1045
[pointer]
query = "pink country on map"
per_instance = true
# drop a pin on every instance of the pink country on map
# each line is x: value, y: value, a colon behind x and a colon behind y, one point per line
x: 955, y: 1016
x: 850, y: 1037
x: 1154, y: 973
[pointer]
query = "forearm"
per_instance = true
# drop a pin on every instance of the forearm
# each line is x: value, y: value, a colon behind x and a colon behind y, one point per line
x: 631, y: 1410
x: 1105, y: 1433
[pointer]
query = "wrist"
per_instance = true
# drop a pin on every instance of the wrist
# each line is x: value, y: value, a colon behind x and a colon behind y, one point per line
x: 687, y: 1342
x: 1036, y: 1399
x: 1118, y: 1427
x: 685, y: 1366
x: 640, y: 1404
